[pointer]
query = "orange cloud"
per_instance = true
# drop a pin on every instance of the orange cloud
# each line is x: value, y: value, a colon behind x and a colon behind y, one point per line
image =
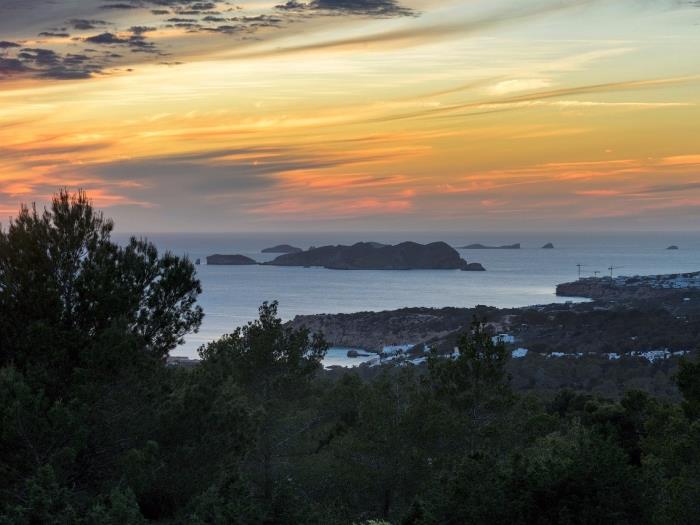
x: 598, y: 193
x: 681, y: 160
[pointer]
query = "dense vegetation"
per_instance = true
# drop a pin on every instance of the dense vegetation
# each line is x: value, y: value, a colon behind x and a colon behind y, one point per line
x: 95, y: 429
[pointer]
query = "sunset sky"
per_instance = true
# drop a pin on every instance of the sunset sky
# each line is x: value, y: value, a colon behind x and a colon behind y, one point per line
x: 183, y: 115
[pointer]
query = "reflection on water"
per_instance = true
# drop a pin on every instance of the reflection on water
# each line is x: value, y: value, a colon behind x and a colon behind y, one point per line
x: 339, y: 357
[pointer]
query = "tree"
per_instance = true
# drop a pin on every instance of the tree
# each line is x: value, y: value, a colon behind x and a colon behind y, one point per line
x: 266, y: 356
x: 380, y: 438
x: 85, y: 325
x: 688, y: 380
x: 574, y: 478
x: 63, y: 282
x: 474, y: 491
x: 44, y: 500
x: 474, y: 383
x: 205, y: 429
x: 117, y: 509
x: 274, y: 365
x: 672, y: 454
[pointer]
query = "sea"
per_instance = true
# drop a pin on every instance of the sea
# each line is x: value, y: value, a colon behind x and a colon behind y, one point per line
x: 232, y: 295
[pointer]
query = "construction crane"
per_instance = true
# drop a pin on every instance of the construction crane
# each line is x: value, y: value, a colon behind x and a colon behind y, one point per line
x: 596, y: 273
x: 613, y: 268
x: 580, y: 266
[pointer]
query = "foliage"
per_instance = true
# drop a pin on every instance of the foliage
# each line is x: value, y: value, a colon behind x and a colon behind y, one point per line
x: 94, y: 428
x: 63, y: 283
x: 472, y: 385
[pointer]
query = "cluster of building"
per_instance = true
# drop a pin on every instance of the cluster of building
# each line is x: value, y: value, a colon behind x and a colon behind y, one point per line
x: 669, y: 281
x: 400, y: 355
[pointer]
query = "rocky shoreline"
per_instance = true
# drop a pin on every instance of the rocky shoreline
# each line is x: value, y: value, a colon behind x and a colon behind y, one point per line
x: 648, y: 287
x: 625, y: 319
x: 604, y: 346
x: 604, y: 291
x: 372, y: 331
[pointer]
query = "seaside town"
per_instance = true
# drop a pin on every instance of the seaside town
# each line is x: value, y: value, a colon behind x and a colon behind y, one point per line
x: 667, y: 281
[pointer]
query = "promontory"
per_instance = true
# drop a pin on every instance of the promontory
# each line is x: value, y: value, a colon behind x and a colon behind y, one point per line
x: 373, y: 256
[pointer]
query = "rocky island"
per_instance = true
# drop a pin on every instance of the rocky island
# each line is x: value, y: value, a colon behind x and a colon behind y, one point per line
x: 229, y: 260
x: 374, y: 256
x: 515, y: 246
x: 672, y: 247
x: 548, y: 246
x: 282, y: 248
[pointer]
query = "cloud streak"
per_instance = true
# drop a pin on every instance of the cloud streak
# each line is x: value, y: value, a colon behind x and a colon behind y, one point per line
x: 521, y: 101
x: 479, y: 113
x: 420, y: 34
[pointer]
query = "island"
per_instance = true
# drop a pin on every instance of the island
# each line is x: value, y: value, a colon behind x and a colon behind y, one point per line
x: 515, y: 246
x: 672, y: 247
x: 229, y: 260
x: 282, y: 248
x: 374, y: 256
x: 548, y: 246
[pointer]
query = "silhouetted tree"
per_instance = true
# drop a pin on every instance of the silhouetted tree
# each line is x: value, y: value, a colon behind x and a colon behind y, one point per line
x: 274, y: 365
x: 63, y: 283
x: 473, y: 382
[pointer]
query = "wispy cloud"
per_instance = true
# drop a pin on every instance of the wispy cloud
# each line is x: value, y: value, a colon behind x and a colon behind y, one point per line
x: 519, y: 101
x: 483, y: 114
x: 421, y: 33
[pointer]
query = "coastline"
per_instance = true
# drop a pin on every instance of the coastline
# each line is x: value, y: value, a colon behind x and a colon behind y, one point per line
x: 643, y: 301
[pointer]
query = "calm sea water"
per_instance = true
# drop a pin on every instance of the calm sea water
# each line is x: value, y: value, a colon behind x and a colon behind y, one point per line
x: 232, y: 294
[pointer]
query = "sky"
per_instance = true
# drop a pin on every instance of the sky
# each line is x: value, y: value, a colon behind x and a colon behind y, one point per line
x: 355, y: 115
